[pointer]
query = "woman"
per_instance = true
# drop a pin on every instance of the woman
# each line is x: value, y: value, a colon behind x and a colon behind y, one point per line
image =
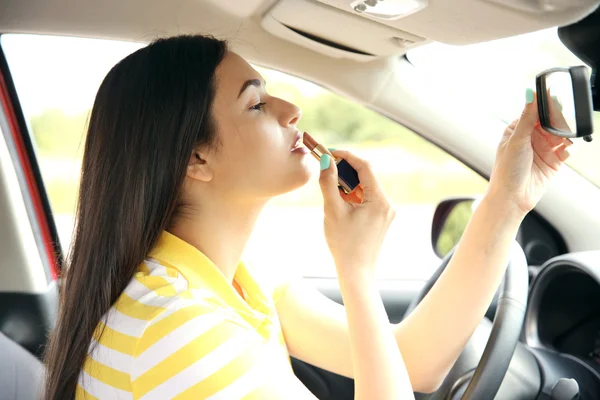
x: 184, y: 148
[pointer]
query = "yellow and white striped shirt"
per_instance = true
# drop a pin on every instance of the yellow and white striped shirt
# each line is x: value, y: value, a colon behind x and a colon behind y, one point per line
x: 180, y: 330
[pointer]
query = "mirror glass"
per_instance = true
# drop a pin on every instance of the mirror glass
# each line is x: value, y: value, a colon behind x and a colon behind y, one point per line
x: 561, y: 103
x: 453, y: 226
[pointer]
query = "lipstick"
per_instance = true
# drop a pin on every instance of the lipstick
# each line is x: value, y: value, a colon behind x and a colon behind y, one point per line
x: 347, y: 176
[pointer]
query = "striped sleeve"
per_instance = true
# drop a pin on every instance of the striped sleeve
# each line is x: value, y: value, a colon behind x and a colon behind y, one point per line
x: 198, y: 351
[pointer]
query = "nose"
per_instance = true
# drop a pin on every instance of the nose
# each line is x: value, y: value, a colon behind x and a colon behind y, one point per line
x: 290, y: 114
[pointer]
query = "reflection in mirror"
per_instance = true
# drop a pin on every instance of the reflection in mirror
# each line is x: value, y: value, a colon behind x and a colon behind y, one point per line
x: 565, y: 102
x: 561, y: 103
x: 450, y: 221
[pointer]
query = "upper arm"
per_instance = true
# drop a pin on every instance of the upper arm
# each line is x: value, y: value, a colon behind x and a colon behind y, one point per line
x: 315, y: 328
x: 200, y: 351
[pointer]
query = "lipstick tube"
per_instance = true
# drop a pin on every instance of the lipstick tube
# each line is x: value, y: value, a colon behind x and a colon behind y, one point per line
x: 347, y: 176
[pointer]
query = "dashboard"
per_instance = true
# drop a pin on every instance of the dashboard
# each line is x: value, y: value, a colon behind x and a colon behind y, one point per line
x: 569, y: 315
x: 563, y: 317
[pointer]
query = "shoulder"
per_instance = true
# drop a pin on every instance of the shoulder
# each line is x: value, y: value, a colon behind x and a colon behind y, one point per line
x: 274, y: 282
x: 195, y: 345
x: 157, y: 292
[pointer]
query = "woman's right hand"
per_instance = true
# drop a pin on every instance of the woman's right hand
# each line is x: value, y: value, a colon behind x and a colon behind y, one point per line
x: 354, y: 232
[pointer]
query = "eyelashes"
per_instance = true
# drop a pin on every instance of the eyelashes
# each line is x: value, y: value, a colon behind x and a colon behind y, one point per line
x: 258, y: 107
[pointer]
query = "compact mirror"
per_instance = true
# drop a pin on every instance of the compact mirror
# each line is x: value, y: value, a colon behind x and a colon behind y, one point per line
x: 565, y: 102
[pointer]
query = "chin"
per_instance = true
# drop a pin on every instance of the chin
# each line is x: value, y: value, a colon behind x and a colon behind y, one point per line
x: 300, y: 179
x: 296, y: 179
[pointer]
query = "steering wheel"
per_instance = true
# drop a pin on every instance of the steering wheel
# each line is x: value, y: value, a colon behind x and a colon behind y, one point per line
x: 491, y: 367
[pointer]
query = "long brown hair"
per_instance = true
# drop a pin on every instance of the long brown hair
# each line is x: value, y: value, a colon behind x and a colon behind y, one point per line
x: 152, y: 109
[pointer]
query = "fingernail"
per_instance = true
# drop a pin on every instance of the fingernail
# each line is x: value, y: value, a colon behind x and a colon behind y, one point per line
x: 331, y: 149
x: 325, y: 161
x: 529, y: 95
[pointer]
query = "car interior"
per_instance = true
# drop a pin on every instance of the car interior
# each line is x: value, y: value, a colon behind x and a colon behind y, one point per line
x: 541, y: 335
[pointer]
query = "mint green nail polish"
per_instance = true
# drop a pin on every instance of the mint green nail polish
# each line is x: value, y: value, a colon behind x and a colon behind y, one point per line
x: 331, y: 149
x: 529, y: 95
x: 325, y: 161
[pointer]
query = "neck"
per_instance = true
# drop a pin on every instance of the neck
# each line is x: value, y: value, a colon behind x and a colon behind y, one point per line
x: 219, y: 229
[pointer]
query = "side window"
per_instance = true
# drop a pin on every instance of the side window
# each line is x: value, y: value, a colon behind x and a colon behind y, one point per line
x: 57, y: 97
x: 414, y: 173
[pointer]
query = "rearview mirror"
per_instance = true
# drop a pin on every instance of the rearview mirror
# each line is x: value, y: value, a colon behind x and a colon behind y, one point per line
x: 565, y: 102
x: 449, y: 222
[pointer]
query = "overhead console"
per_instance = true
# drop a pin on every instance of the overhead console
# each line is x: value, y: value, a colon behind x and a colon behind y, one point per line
x: 366, y: 29
x: 339, y: 34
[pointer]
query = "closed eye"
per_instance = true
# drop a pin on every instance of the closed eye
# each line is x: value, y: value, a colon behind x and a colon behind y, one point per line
x: 258, y: 107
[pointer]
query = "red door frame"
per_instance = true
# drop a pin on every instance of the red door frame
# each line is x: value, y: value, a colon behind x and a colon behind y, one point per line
x: 48, y: 240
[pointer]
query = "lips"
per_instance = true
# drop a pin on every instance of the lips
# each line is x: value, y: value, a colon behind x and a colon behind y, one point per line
x: 298, y: 142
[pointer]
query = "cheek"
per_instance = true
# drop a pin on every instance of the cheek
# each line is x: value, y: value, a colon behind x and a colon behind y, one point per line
x: 240, y: 141
x: 244, y: 161
x: 261, y: 143
x: 257, y: 159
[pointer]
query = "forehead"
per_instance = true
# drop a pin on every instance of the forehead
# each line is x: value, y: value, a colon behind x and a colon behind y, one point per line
x: 231, y: 74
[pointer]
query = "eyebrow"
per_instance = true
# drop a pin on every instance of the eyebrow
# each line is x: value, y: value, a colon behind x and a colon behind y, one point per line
x: 250, y: 82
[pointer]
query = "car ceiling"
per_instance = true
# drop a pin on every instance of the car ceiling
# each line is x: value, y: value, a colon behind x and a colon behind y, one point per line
x: 348, y: 54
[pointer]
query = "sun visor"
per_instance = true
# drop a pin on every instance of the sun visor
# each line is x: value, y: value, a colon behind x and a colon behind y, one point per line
x: 335, y: 33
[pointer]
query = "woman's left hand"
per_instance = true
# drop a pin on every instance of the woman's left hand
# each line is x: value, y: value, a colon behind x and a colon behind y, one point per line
x: 527, y: 159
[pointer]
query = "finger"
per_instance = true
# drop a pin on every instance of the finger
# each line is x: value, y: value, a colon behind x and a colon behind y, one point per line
x: 557, y: 119
x: 562, y: 153
x: 552, y: 140
x: 328, y: 181
x: 346, y: 197
x: 556, y: 104
x: 556, y: 140
x: 350, y: 197
x: 529, y: 117
x: 365, y: 173
x: 354, y: 197
x: 508, y: 132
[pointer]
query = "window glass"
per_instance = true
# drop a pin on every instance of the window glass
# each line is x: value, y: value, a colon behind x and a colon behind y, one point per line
x: 57, y: 96
x: 497, y: 73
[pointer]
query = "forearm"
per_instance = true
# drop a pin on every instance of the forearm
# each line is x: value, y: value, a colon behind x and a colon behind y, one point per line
x: 379, y: 371
x: 433, y: 336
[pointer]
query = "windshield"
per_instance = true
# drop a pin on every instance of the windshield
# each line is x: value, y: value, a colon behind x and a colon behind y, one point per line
x: 498, y: 72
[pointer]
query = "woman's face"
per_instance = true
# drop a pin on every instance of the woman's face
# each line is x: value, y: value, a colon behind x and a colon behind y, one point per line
x: 257, y: 133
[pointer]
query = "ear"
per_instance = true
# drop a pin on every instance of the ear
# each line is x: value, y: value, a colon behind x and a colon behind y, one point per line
x: 198, y: 168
